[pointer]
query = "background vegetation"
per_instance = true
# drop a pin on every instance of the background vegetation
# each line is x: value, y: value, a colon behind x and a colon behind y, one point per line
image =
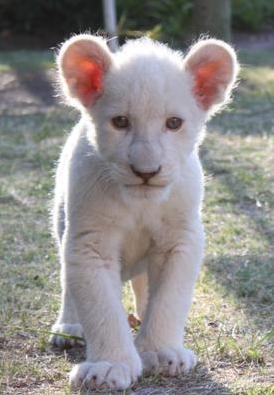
x: 169, y: 20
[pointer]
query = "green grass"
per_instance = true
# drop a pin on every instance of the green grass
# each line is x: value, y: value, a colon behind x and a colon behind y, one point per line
x: 231, y: 322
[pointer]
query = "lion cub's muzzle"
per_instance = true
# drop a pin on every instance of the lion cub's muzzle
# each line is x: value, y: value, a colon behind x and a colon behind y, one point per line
x: 145, y: 176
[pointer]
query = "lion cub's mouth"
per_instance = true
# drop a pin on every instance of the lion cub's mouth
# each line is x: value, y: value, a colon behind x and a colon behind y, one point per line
x: 144, y: 186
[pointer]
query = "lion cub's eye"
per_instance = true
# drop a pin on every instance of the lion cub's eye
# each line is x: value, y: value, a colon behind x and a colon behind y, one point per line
x: 174, y: 123
x: 120, y: 122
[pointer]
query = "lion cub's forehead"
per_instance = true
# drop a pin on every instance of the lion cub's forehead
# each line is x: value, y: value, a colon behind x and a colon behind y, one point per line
x: 147, y: 60
x: 145, y: 76
x: 145, y: 48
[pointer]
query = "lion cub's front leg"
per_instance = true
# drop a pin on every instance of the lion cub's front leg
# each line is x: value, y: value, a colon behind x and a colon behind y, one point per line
x: 172, y: 274
x: 92, y: 273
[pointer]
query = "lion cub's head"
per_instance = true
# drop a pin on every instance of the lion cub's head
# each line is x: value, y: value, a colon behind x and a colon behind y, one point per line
x: 148, y: 103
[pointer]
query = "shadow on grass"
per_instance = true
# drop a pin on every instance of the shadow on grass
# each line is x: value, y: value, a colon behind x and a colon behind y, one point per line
x: 257, y: 58
x: 26, y: 60
x: 38, y: 84
x: 255, y: 121
x: 199, y: 381
x: 29, y: 83
x: 243, y: 200
x: 248, y: 277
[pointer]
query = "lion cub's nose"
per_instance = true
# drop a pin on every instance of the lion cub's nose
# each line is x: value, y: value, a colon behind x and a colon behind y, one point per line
x: 145, y: 175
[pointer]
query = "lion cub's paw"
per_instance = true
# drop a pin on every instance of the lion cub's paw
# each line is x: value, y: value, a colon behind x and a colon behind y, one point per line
x: 169, y: 361
x: 94, y: 375
x: 67, y: 335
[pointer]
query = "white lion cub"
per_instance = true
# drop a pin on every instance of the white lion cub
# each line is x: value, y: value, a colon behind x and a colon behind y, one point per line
x: 129, y: 188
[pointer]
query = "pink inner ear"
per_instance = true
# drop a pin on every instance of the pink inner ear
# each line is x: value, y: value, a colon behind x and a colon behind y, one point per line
x: 207, y: 81
x: 89, y: 84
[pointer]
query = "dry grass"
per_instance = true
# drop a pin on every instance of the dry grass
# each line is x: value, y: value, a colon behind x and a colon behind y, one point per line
x: 231, y: 322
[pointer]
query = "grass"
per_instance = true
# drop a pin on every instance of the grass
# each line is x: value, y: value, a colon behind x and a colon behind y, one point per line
x: 26, y: 60
x: 231, y: 322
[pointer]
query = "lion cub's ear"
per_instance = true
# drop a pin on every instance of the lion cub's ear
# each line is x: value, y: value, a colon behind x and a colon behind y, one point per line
x: 82, y: 63
x: 214, y: 67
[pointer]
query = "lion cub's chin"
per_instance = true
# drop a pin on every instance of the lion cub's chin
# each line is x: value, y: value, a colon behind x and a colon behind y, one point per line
x: 155, y: 193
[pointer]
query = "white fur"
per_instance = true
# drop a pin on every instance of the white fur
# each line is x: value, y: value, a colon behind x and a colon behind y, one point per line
x: 110, y: 228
